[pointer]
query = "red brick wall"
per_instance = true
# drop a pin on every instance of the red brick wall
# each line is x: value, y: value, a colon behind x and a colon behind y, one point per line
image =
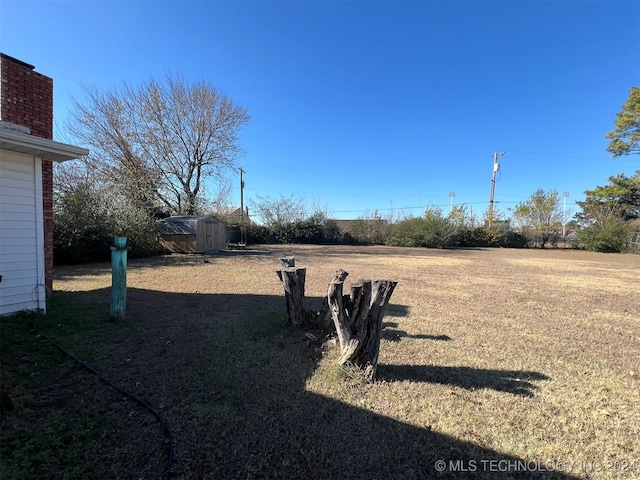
x: 27, y: 100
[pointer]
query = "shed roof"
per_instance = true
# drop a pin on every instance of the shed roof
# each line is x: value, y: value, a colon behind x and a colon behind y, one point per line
x: 181, y: 225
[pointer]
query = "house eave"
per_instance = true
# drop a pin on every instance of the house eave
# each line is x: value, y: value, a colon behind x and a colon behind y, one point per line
x: 19, y: 142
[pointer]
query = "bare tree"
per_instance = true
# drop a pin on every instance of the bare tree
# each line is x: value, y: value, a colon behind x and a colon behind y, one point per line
x: 160, y: 140
x: 220, y: 202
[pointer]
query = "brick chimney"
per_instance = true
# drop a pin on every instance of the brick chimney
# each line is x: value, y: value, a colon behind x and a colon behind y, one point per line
x: 26, y: 98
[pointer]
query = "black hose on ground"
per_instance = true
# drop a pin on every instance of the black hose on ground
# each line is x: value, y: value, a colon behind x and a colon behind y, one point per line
x: 138, y: 400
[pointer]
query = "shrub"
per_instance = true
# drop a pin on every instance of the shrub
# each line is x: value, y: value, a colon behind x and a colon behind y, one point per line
x: 370, y: 231
x: 611, y: 235
x: 83, y: 228
x: 314, y: 229
x: 87, y: 219
x: 513, y: 240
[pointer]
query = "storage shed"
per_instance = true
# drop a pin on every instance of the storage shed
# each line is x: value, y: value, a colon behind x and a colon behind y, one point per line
x: 192, y: 234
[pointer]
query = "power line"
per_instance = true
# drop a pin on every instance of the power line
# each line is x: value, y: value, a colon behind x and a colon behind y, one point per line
x: 407, y: 208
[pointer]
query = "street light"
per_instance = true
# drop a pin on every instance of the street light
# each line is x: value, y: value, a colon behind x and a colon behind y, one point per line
x: 451, y: 195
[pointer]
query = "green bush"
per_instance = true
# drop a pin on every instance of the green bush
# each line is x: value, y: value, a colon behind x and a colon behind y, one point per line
x: 315, y: 229
x: 611, y: 235
x: 369, y: 231
x: 430, y: 231
x: 513, y: 240
x: 83, y: 228
x: 86, y: 220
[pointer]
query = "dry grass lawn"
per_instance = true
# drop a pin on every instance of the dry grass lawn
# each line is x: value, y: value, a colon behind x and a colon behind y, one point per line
x: 501, y: 363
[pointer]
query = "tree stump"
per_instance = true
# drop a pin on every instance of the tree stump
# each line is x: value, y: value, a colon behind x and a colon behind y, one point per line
x: 358, y: 320
x: 357, y: 317
x: 293, y: 279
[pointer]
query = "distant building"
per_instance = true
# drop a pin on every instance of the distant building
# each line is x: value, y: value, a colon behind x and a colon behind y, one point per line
x: 239, y: 216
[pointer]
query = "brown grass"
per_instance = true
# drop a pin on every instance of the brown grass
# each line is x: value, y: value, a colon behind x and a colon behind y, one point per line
x: 486, y: 355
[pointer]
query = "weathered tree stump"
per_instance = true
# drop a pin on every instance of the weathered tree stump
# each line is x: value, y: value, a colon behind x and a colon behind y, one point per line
x: 293, y: 279
x: 358, y: 320
x: 357, y: 317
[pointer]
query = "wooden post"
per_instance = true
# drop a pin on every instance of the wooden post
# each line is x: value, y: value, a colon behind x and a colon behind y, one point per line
x: 358, y: 320
x: 118, y: 278
x: 293, y: 280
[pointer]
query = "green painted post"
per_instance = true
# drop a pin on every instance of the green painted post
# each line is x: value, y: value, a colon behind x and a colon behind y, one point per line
x: 118, y: 278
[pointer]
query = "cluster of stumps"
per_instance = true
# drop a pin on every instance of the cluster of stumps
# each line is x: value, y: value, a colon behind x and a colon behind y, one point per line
x: 357, y: 317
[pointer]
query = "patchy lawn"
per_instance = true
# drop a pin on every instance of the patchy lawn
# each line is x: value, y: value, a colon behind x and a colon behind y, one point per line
x: 500, y: 363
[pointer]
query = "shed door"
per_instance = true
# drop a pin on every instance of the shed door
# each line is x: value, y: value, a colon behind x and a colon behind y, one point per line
x: 21, y: 233
x: 211, y: 235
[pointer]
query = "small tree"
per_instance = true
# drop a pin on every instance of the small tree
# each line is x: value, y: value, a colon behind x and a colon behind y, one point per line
x: 625, y: 138
x: 621, y: 197
x: 607, y: 232
x: 461, y: 216
x: 540, y: 216
x: 606, y: 214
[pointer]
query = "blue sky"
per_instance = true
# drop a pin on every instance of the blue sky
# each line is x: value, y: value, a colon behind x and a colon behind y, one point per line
x: 370, y: 105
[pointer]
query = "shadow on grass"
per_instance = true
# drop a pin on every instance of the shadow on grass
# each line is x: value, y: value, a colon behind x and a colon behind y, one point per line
x: 515, y: 382
x: 376, y: 250
x: 166, y: 259
x: 390, y: 332
x: 231, y: 380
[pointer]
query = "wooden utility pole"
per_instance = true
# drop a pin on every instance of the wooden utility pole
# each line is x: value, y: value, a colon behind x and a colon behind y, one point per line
x: 564, y: 217
x: 243, y: 228
x: 496, y: 167
x: 242, y: 194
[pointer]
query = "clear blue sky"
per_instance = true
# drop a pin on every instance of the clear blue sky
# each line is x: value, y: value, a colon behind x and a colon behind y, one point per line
x: 364, y: 105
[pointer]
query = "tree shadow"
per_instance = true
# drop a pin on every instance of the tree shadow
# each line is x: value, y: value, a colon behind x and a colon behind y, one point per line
x: 165, y: 259
x: 376, y: 250
x: 509, y: 381
x: 319, y: 304
x: 232, y: 381
x: 395, y: 335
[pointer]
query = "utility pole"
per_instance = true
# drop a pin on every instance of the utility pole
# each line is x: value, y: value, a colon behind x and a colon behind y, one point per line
x: 242, y: 194
x: 564, y: 214
x: 243, y: 228
x: 451, y: 195
x: 496, y: 167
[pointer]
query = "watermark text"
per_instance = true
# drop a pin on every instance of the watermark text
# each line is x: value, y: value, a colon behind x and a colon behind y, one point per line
x: 554, y: 465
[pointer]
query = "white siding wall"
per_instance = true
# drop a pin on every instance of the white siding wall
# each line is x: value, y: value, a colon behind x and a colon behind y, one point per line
x: 21, y: 233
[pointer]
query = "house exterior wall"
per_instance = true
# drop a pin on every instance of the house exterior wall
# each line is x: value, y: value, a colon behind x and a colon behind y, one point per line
x: 21, y: 234
x: 26, y: 99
